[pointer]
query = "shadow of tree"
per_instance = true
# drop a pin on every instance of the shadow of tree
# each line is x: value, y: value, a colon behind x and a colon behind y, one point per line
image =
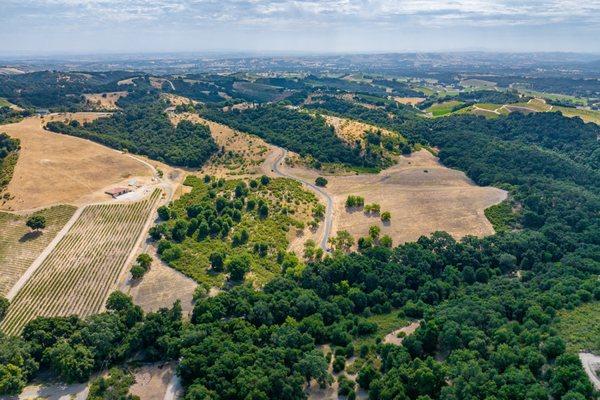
x: 30, y: 236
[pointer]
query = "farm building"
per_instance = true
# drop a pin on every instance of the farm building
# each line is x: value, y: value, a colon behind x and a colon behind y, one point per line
x: 115, y: 192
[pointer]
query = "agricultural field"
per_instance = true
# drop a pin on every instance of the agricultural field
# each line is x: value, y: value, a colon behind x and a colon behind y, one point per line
x: 241, y: 219
x: 580, y: 328
x: 77, y: 276
x: 51, y: 170
x: 19, y: 246
x: 477, y: 83
x: 441, y: 109
x: 585, y: 115
x: 533, y: 105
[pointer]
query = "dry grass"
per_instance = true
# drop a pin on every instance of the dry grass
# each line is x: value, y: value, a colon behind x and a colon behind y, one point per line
x: 177, y: 100
x: 78, y: 274
x: 422, y: 195
x: 104, y: 101
x: 161, y: 286
x: 58, y: 169
x: 19, y: 246
x: 244, y: 155
x: 409, y: 100
x: 350, y: 130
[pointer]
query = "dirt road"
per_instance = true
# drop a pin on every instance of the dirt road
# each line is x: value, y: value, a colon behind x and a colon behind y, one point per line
x: 591, y: 364
x: 328, y: 220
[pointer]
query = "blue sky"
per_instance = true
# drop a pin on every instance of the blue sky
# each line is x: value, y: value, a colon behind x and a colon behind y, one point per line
x: 116, y: 26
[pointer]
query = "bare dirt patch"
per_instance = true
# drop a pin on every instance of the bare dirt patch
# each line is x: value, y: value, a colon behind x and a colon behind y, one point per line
x: 129, y: 81
x: 58, y: 169
x: 422, y: 196
x: 151, y: 381
x: 591, y: 365
x: 104, y: 101
x: 393, y: 338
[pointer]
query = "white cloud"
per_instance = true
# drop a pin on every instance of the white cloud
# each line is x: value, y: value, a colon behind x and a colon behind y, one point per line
x: 422, y: 12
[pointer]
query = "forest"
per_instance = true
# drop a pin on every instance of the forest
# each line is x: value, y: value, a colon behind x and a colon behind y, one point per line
x: 61, y: 91
x: 145, y: 129
x: 487, y: 306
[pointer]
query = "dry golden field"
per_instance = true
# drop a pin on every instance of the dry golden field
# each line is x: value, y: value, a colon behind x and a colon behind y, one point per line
x: 58, y: 169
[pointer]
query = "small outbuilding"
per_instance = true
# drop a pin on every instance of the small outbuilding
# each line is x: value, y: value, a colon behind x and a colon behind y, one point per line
x: 118, y: 191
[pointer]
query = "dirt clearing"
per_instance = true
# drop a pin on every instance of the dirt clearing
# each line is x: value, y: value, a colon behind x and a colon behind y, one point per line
x: 58, y: 169
x: 422, y: 196
x: 151, y: 381
x: 393, y: 338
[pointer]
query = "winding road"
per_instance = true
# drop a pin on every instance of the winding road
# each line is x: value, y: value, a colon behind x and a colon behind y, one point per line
x: 329, y: 209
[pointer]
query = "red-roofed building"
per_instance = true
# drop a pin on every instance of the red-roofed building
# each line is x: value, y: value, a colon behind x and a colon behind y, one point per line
x: 115, y: 192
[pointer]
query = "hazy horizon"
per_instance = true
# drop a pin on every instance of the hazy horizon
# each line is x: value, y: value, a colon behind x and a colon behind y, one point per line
x: 47, y: 27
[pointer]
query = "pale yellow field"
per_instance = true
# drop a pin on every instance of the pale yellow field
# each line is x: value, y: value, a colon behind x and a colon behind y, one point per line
x: 350, y: 130
x: 422, y: 196
x: 409, y: 100
x: 161, y: 286
x: 104, y: 101
x: 61, y: 169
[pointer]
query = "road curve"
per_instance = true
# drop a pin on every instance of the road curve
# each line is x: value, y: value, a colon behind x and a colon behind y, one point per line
x: 329, y: 209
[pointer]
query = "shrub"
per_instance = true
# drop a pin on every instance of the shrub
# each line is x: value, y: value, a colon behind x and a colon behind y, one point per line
x: 355, y: 201
x: 163, y: 213
x: 386, y: 216
x: 36, y: 222
x: 320, y: 181
x: 339, y: 363
x: 237, y: 266
x: 137, y: 271
x: 217, y: 260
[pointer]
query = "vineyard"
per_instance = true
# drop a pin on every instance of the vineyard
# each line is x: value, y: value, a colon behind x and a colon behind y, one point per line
x: 19, y: 247
x: 78, y: 274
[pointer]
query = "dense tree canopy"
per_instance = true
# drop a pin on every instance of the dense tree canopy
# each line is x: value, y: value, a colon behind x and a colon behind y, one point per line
x: 145, y: 129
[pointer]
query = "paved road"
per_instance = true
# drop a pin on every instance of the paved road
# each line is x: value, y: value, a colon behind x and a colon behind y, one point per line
x: 328, y: 211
